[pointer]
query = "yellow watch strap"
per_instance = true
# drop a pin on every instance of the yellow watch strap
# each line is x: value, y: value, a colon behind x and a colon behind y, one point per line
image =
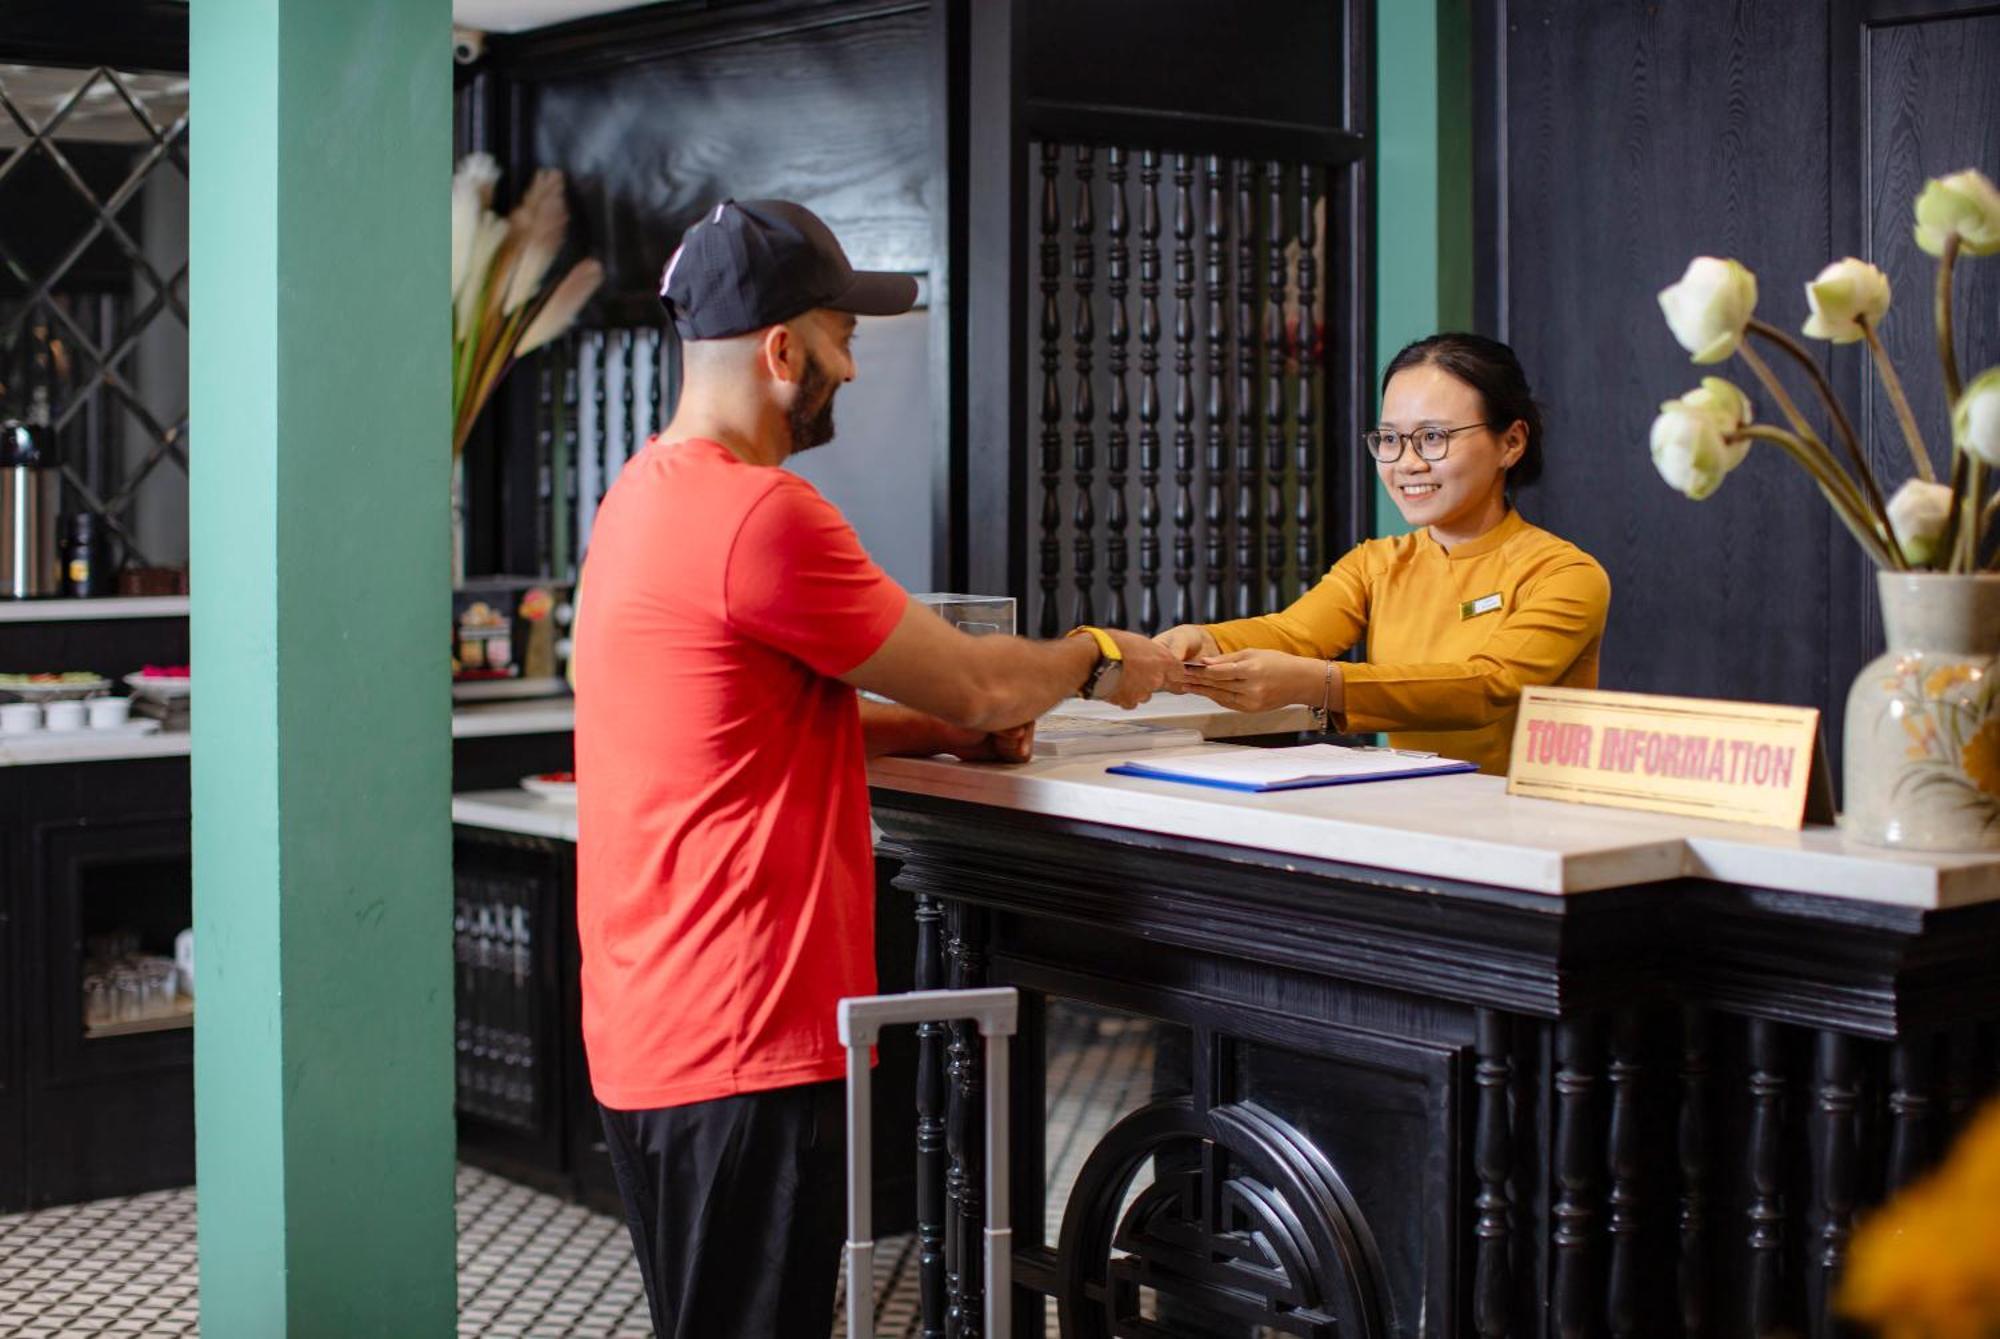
x: 1106, y: 646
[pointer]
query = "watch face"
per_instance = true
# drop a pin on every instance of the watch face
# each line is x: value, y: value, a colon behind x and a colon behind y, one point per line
x: 1107, y: 682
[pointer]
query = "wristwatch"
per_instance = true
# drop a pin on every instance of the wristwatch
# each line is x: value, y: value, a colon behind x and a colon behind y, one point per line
x: 1108, y: 658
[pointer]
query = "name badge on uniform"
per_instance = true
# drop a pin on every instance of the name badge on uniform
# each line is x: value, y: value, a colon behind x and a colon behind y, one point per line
x: 1485, y: 604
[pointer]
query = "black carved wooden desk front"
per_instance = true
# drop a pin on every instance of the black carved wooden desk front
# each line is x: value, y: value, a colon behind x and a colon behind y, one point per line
x: 1390, y: 1105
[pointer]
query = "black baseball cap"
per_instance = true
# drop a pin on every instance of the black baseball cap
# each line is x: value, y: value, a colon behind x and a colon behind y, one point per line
x: 753, y: 263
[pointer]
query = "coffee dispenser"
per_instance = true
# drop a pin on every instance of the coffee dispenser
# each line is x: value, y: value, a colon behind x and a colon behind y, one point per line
x: 30, y: 496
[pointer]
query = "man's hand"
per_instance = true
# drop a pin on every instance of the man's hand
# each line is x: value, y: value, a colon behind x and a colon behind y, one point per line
x: 1187, y: 641
x: 1262, y: 680
x: 1147, y: 668
x: 891, y: 729
x: 1015, y: 745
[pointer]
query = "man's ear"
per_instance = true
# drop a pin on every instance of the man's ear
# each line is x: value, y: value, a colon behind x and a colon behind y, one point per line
x: 779, y: 351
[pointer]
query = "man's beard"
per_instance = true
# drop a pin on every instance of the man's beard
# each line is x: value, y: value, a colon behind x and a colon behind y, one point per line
x: 811, y: 414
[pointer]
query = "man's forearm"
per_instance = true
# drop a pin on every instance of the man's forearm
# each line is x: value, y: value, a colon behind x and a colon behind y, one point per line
x: 890, y: 728
x: 1022, y: 679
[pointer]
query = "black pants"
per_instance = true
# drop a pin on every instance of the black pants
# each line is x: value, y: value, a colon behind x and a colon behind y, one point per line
x: 737, y: 1209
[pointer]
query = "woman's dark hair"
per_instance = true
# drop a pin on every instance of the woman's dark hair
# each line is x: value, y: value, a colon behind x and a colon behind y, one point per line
x: 1489, y: 367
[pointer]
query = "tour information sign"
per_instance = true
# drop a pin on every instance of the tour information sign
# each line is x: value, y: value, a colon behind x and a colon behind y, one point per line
x: 1742, y: 762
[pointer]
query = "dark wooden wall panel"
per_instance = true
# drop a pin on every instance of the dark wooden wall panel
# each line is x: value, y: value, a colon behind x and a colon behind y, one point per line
x: 837, y: 114
x: 1620, y: 139
x: 1642, y: 135
x: 1932, y: 104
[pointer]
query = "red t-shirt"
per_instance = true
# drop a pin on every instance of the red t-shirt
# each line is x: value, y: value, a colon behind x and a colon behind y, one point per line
x: 725, y: 879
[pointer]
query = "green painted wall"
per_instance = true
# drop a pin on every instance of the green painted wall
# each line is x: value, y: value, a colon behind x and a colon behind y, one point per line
x: 323, y: 1056
x: 1423, y: 182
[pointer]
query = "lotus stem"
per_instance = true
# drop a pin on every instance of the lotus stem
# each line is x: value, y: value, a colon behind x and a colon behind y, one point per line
x: 1948, y: 541
x: 1892, y: 383
x: 1849, y: 438
x: 1867, y: 490
x: 1970, y: 530
x: 1947, y: 344
x: 1834, y: 485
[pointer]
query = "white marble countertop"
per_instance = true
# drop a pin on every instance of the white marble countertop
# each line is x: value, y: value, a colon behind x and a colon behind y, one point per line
x: 1461, y: 827
x: 535, y: 717
x: 1194, y: 713
x: 522, y: 812
x: 80, y: 611
x: 515, y: 811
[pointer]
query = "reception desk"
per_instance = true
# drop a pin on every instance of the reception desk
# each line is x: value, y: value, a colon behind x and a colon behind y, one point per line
x: 1430, y: 1060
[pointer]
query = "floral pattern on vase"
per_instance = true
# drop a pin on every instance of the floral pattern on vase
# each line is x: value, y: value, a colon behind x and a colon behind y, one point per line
x: 1923, y: 719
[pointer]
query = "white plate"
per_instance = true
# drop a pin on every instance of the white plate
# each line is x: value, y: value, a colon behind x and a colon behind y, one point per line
x: 562, y: 792
x: 158, y: 688
x: 55, y: 692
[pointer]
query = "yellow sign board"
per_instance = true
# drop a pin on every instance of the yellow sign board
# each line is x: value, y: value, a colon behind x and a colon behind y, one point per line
x: 1742, y: 762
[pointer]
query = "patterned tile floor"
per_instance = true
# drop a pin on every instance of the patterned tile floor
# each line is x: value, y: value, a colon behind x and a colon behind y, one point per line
x: 529, y: 1264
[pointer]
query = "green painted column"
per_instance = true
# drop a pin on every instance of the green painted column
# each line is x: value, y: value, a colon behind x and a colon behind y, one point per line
x: 1423, y: 182
x: 322, y: 744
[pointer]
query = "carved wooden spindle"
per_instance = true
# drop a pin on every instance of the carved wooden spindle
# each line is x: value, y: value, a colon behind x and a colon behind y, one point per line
x: 1276, y: 588
x: 1183, y: 389
x: 956, y: 1117
x: 931, y: 1040
x: 1912, y: 1109
x: 1493, y: 1161
x: 1215, y: 460
x: 546, y: 428
x: 657, y: 385
x: 631, y: 436
x: 1766, y: 1213
x: 1052, y: 409
x: 965, y: 1131
x: 1308, y: 352
x: 1117, y: 229
x: 1149, y: 390
x: 1083, y: 329
x: 1962, y: 1080
x: 1578, y: 1157
x: 1692, y: 1275
x: 570, y: 456
x: 1836, y: 1092
x: 1621, y: 1306
x: 600, y: 431
x: 1245, y: 510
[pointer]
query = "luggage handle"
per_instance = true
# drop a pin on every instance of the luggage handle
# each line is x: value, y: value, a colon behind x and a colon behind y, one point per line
x: 862, y: 1018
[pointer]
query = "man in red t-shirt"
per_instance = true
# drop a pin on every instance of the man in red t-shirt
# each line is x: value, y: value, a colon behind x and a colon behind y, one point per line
x: 725, y: 894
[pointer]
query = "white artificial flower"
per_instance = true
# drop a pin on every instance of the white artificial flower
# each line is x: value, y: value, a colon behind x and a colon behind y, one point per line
x: 1689, y: 450
x: 1721, y: 401
x: 1917, y: 515
x: 1710, y: 306
x: 1964, y: 203
x: 1975, y: 423
x: 1846, y: 293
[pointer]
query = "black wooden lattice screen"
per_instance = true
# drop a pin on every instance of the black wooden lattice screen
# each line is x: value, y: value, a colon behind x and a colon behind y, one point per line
x: 1177, y: 324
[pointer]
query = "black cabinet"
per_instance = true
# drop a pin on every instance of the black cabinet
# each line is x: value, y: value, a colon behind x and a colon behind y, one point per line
x: 91, y: 850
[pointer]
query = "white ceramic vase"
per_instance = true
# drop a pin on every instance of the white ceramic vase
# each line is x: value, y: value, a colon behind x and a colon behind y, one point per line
x: 1922, y: 763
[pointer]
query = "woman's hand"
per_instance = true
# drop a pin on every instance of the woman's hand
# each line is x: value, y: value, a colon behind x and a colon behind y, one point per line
x: 1261, y: 680
x: 1188, y: 642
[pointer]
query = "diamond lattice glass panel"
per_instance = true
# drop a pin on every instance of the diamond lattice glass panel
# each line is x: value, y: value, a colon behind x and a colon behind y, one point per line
x: 93, y: 290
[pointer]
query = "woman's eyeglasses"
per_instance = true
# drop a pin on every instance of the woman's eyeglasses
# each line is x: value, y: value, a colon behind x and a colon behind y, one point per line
x: 1431, y: 443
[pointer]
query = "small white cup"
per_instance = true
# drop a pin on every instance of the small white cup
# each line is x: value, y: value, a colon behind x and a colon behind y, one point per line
x: 20, y: 718
x: 64, y: 715
x: 108, y: 713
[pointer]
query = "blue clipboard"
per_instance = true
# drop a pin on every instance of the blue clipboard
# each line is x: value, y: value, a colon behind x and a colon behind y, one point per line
x: 1443, y: 767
